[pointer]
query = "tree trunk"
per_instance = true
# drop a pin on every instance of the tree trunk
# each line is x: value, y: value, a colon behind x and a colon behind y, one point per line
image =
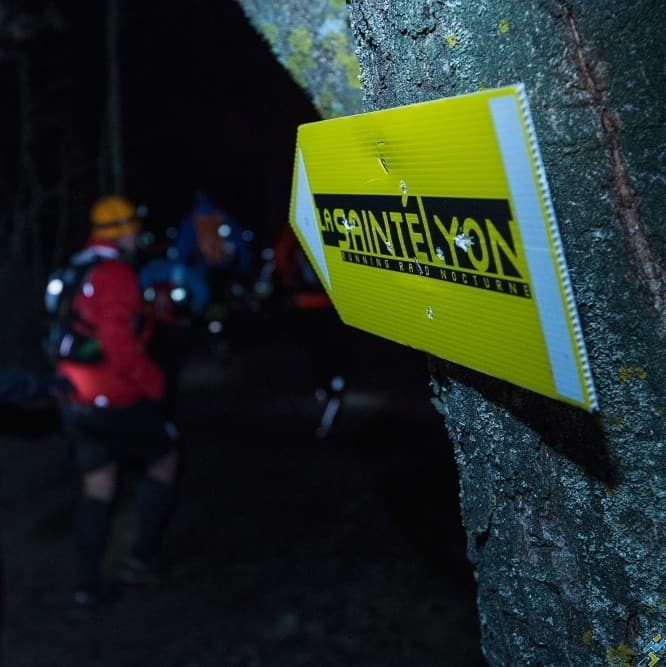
x: 313, y: 41
x: 114, y: 134
x: 62, y: 193
x: 29, y: 197
x: 564, y: 511
x: 26, y: 177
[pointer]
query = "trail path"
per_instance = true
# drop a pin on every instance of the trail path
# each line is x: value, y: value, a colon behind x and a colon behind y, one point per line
x: 287, y: 550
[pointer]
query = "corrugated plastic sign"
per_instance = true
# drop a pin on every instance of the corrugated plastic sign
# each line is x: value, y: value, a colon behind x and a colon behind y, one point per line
x: 432, y: 225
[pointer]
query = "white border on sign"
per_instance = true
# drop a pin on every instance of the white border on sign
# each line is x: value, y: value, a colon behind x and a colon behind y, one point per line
x: 526, y: 208
x: 306, y: 220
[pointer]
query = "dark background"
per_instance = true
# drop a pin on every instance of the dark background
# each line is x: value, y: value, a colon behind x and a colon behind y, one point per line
x: 204, y: 104
x: 221, y: 110
x: 288, y: 550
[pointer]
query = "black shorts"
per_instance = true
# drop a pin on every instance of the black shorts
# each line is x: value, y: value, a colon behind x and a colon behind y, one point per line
x: 137, y: 435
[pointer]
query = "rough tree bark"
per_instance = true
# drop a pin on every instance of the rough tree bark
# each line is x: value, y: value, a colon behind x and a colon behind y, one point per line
x: 565, y: 512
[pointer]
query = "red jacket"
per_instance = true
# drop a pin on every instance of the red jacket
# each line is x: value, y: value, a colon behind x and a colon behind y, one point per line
x: 296, y: 274
x: 110, y: 303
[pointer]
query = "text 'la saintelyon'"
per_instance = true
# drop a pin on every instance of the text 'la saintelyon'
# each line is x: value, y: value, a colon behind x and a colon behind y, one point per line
x: 470, y: 242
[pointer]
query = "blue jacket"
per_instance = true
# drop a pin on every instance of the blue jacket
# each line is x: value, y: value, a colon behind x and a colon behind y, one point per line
x: 239, y: 261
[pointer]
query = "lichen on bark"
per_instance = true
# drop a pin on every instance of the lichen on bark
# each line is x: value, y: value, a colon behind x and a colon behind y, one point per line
x: 313, y: 41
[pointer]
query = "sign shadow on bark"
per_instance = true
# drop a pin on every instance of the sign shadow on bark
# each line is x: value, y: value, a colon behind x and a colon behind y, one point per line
x: 568, y: 430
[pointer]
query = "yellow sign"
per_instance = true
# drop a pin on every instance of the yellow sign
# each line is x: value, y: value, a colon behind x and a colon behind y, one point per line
x: 432, y: 225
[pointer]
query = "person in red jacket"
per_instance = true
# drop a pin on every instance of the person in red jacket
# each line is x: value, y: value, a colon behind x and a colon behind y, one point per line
x: 313, y: 312
x: 115, y: 411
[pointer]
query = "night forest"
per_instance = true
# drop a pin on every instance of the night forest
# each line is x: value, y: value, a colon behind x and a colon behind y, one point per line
x: 287, y: 550
x: 450, y: 517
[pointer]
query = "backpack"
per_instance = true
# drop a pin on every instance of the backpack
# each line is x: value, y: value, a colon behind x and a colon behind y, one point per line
x: 68, y: 336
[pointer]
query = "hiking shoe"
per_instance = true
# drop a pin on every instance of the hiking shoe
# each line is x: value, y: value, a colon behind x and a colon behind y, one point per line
x: 133, y: 570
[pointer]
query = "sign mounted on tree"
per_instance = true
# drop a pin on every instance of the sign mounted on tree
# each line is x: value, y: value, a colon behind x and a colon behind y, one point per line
x: 432, y: 225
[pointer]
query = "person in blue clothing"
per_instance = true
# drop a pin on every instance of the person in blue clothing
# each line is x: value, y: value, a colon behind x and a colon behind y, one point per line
x: 212, y: 242
x: 177, y: 296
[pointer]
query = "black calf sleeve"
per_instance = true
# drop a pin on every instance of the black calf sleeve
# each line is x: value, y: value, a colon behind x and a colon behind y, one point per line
x: 91, y: 527
x: 154, y: 501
